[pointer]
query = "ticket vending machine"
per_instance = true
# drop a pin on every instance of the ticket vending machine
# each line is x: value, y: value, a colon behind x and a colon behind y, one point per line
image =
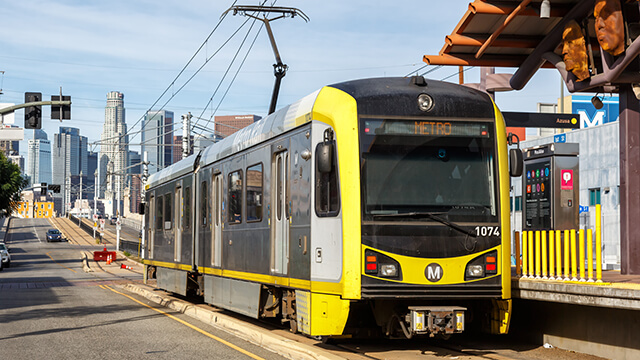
x: 551, y: 187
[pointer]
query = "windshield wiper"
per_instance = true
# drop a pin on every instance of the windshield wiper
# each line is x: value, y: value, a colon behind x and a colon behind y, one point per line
x: 432, y: 216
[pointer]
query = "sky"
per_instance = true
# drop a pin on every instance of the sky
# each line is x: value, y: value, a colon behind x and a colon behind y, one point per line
x: 139, y: 48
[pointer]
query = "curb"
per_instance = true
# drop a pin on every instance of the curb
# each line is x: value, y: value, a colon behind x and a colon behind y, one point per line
x: 288, y: 348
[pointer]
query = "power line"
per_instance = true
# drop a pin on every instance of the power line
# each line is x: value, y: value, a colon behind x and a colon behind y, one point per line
x: 461, y: 71
x: 183, y: 69
x: 227, y: 71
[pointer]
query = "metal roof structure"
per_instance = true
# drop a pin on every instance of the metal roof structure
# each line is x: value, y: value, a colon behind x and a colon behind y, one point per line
x: 511, y: 33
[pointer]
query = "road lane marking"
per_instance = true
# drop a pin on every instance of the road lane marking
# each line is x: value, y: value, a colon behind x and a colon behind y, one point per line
x: 220, y: 340
x: 48, y: 254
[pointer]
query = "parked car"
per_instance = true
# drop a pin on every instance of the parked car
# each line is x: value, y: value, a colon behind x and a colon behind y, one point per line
x: 6, y: 257
x: 54, y: 235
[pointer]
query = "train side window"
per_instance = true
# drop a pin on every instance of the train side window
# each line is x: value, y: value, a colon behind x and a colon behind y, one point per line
x: 327, y: 191
x: 159, y: 212
x: 186, y: 217
x: 203, y: 204
x: 235, y: 197
x: 168, y: 217
x: 254, y: 193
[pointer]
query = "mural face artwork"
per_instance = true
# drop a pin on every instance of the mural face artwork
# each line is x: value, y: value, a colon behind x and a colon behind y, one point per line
x: 574, y: 51
x: 609, y: 26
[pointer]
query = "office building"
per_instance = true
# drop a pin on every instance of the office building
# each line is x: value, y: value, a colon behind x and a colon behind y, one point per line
x: 39, y: 159
x: 228, y: 124
x: 157, y: 139
x: 114, y: 150
x: 70, y: 158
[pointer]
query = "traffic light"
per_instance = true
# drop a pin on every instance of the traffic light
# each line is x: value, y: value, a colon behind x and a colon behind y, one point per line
x: 55, y: 109
x: 32, y: 114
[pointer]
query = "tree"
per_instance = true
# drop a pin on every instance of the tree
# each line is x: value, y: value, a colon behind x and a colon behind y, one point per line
x: 11, y: 184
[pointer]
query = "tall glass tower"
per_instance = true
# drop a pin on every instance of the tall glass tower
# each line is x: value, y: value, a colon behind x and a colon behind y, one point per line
x: 157, y: 139
x: 69, y: 156
x: 39, y: 158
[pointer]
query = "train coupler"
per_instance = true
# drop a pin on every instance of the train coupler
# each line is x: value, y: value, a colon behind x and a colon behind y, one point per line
x: 433, y: 320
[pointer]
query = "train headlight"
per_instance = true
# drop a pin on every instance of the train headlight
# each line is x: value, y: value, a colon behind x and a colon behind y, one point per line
x: 388, y: 270
x: 425, y: 102
x: 380, y: 265
x: 475, y: 270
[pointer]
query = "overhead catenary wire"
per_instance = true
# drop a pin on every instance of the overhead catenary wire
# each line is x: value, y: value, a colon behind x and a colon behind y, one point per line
x: 461, y: 71
x: 234, y: 77
x: 204, y: 43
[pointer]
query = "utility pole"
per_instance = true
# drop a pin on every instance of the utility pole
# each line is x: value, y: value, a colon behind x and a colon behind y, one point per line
x: 144, y: 177
x: 95, y: 198
x: 186, y: 137
x: 80, y: 193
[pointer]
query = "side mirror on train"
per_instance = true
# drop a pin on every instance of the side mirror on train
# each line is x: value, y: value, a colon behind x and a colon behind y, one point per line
x: 516, y: 162
x: 141, y: 208
x: 324, y: 157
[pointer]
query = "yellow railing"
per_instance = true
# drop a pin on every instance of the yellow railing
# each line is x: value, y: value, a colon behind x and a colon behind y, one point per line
x: 558, y: 255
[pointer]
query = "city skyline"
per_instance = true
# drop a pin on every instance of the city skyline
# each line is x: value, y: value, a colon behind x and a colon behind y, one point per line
x: 384, y: 40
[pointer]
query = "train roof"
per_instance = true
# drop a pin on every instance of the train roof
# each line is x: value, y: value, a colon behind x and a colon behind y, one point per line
x: 377, y: 96
x: 263, y: 129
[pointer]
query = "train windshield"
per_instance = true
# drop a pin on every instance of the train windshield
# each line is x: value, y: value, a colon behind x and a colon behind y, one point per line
x: 411, y: 167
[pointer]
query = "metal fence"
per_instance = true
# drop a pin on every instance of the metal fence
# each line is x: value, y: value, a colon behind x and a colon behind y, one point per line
x: 132, y: 247
x: 84, y: 226
x: 561, y: 254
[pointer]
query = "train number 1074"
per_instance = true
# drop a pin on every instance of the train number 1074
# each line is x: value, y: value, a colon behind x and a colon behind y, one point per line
x: 487, y: 231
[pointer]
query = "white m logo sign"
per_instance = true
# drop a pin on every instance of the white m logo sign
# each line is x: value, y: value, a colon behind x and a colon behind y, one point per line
x: 433, y: 272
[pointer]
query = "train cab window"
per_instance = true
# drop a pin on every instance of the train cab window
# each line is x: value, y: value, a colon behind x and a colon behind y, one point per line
x: 167, y: 212
x: 327, y: 192
x: 159, y: 213
x: 235, y: 197
x: 186, y: 217
x: 204, y: 201
x: 254, y: 193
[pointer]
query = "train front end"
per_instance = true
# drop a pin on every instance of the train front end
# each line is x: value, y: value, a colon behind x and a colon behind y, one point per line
x: 433, y: 207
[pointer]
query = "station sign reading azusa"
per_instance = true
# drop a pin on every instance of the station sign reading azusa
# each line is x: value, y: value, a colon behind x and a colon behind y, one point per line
x: 541, y: 120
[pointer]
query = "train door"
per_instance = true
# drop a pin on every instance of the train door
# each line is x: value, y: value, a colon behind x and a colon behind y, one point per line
x: 152, y: 226
x: 216, y: 201
x: 203, y: 221
x: 177, y: 244
x: 280, y: 214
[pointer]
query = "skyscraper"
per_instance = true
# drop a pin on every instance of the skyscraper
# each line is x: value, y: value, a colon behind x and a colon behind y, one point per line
x: 39, y: 158
x: 114, y: 149
x: 157, y: 139
x: 69, y: 157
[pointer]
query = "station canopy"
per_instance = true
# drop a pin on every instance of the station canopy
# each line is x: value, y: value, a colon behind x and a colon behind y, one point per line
x: 512, y: 33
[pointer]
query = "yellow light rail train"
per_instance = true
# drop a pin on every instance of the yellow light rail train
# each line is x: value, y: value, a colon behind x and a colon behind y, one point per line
x: 374, y: 206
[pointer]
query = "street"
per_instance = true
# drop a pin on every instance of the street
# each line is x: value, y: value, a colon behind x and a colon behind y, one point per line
x: 50, y: 308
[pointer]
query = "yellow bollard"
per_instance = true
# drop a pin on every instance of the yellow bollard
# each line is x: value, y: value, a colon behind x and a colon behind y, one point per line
x: 598, y: 245
x: 517, y: 252
x: 558, y: 255
x: 566, y: 255
x: 551, y: 252
x: 524, y: 254
x: 530, y: 243
x: 544, y: 255
x: 590, y: 254
x: 581, y: 254
x: 537, y: 254
x: 574, y: 257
